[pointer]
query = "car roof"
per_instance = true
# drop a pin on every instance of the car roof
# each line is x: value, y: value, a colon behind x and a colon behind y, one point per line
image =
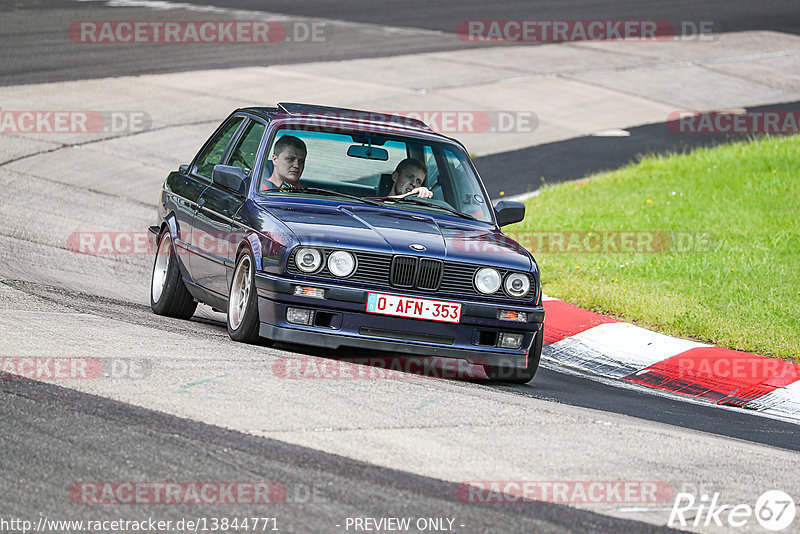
x: 362, y: 118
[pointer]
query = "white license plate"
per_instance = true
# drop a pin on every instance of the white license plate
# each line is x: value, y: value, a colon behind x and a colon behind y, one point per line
x: 430, y: 310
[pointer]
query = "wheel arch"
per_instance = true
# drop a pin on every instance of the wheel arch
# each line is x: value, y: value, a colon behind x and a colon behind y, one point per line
x: 170, y: 223
x: 253, y: 243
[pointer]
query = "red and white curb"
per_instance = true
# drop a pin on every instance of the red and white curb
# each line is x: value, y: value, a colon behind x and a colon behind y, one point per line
x: 597, y: 344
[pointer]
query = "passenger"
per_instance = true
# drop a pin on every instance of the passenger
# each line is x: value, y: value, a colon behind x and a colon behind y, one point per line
x: 408, y: 178
x: 288, y: 160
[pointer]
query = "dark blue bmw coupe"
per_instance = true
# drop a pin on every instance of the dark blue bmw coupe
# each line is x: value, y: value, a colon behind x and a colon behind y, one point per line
x: 341, y: 228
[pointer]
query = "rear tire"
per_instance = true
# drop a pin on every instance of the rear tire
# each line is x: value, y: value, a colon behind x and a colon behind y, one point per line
x: 515, y: 375
x: 243, y: 319
x: 168, y: 293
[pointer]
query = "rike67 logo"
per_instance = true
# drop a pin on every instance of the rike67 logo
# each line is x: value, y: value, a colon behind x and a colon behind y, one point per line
x: 774, y: 510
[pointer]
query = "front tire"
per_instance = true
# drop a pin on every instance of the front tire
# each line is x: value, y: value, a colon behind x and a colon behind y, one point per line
x: 168, y: 293
x: 243, y: 319
x: 515, y: 375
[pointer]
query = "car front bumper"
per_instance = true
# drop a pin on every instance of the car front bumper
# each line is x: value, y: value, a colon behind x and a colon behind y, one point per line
x: 341, y: 321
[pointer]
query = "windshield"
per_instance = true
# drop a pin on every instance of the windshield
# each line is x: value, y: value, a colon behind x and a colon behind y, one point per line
x: 376, y: 166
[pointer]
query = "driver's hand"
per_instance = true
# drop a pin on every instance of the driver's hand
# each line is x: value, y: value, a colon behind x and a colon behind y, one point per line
x: 421, y: 192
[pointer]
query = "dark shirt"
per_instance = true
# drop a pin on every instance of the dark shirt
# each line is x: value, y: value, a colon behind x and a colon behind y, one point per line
x: 266, y: 185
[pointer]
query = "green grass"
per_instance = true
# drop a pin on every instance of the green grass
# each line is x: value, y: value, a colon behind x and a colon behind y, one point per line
x: 739, y: 202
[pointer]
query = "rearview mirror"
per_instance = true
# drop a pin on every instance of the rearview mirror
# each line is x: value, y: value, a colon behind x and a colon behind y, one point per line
x: 368, y: 152
x: 229, y: 177
x: 509, y: 212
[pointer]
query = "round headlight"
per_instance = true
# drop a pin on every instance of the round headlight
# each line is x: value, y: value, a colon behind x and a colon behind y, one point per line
x: 341, y: 263
x: 517, y: 285
x: 308, y: 260
x: 487, y: 280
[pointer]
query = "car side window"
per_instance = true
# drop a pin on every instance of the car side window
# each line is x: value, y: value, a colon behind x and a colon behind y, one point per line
x: 432, y: 178
x: 244, y: 153
x: 466, y: 193
x: 213, y: 153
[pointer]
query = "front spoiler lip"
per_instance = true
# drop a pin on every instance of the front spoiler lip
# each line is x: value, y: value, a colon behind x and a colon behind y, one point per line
x: 400, y: 349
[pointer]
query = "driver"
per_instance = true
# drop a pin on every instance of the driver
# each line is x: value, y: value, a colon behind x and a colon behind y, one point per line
x: 408, y: 178
x: 289, y: 160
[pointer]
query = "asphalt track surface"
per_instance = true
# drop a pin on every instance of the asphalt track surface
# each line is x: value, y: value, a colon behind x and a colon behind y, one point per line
x: 727, y: 15
x: 36, y: 46
x: 52, y: 435
x: 322, y: 490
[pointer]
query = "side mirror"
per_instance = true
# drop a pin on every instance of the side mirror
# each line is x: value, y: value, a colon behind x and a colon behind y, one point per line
x: 509, y: 212
x: 232, y: 178
x: 183, y: 168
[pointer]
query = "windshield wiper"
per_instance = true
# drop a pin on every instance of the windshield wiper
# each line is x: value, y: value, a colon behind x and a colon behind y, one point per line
x: 421, y: 202
x: 328, y: 192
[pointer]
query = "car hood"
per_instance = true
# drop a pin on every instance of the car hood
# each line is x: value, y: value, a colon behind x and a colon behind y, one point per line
x: 394, y: 231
